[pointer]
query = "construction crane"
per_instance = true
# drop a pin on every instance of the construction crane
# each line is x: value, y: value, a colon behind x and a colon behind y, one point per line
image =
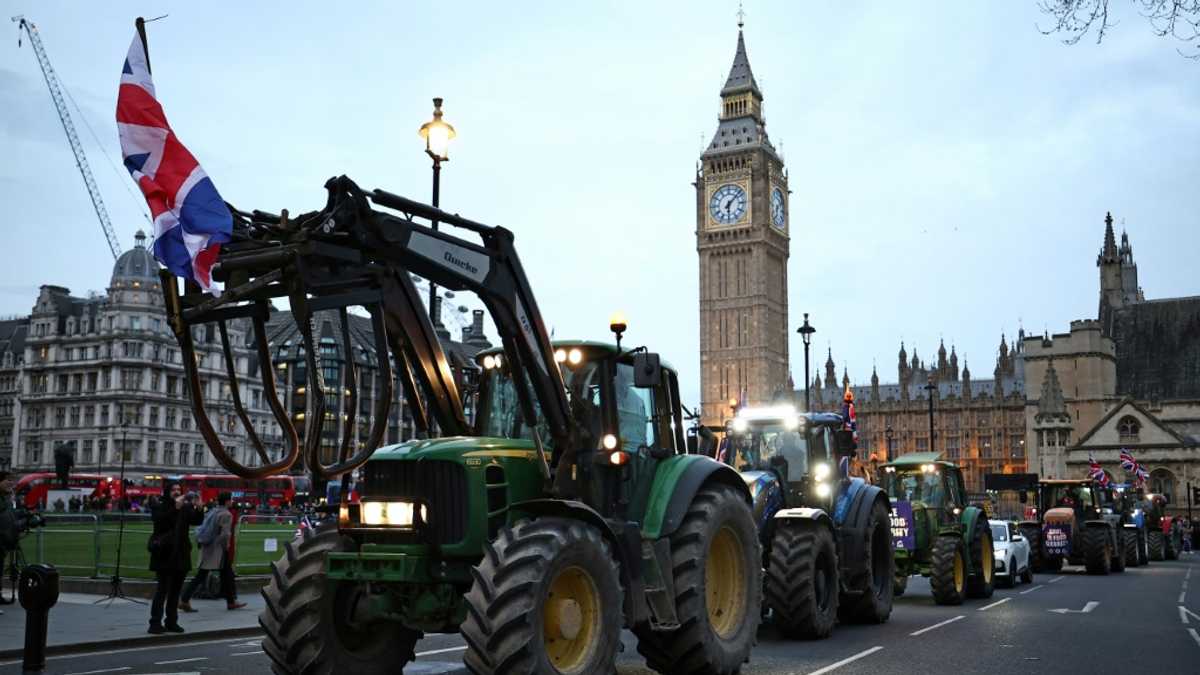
x: 64, y: 116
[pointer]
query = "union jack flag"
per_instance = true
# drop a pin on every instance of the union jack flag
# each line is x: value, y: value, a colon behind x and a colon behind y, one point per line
x: 1132, y: 466
x: 191, y: 220
x: 1096, y: 473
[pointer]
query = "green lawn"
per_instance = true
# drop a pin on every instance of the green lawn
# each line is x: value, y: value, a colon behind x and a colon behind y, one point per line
x: 75, y: 546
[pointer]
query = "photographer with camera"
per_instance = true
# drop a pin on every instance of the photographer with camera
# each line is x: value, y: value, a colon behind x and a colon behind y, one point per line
x: 171, y: 554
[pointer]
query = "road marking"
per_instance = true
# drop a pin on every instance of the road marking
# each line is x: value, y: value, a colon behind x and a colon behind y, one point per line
x: 1183, y: 609
x: 1181, y: 596
x: 1183, y: 615
x: 247, y: 653
x: 431, y: 652
x: 106, y: 670
x: 839, y: 664
x: 110, y: 652
x: 1055, y: 580
x: 1189, y: 574
x: 1030, y: 590
x: 1195, y: 636
x: 1091, y: 604
x: 1185, y: 584
x: 939, y: 625
x: 197, y: 658
x: 998, y: 602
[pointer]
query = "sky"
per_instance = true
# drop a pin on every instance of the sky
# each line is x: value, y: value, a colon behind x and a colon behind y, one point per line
x: 950, y: 165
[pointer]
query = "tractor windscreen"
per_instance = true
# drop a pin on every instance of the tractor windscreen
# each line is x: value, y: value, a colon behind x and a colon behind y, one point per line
x: 916, y: 485
x: 500, y: 412
x: 1066, y: 496
x: 767, y: 445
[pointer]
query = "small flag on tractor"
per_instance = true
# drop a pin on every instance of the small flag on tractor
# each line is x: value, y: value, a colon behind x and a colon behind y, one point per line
x: 191, y: 220
x: 1095, y: 472
x: 1132, y: 466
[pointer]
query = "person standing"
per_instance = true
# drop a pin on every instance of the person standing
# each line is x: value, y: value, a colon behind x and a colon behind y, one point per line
x: 10, y: 527
x: 214, y: 537
x: 170, y: 555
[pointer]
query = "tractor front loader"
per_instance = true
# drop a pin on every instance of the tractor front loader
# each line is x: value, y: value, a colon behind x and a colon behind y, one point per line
x: 567, y: 511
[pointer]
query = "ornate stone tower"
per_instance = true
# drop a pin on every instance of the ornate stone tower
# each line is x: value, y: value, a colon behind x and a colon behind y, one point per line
x: 742, y: 239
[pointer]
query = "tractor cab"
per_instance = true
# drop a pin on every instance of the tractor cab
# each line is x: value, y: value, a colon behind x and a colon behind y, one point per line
x: 1072, y: 501
x: 797, y: 451
x: 927, y: 483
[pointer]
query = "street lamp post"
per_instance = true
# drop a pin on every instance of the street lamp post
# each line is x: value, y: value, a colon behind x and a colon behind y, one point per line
x: 887, y: 435
x: 437, y: 135
x: 929, y: 389
x: 806, y: 332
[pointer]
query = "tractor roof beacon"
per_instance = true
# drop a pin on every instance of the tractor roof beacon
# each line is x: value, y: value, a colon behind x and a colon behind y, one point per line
x: 936, y: 533
x: 826, y: 535
x: 566, y: 511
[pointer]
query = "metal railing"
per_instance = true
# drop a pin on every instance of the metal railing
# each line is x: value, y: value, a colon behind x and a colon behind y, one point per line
x: 259, y: 540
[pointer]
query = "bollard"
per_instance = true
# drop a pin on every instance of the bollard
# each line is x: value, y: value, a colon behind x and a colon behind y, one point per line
x: 38, y: 591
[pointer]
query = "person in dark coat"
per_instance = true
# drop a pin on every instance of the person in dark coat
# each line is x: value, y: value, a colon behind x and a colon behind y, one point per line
x: 171, y: 555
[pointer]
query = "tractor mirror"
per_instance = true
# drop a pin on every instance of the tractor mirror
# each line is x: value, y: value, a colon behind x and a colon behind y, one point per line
x: 647, y: 371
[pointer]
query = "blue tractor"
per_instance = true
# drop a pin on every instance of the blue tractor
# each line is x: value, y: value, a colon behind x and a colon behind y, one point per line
x: 826, y: 536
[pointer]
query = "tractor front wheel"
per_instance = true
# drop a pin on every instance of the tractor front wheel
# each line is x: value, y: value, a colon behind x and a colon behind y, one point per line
x: 1143, y: 548
x: 547, y: 600
x: 1132, y: 548
x: 949, y: 577
x: 1033, y: 535
x: 313, y: 625
x: 1155, y: 543
x: 802, y: 579
x: 981, y: 583
x: 1097, y: 550
x: 873, y: 603
x: 717, y: 563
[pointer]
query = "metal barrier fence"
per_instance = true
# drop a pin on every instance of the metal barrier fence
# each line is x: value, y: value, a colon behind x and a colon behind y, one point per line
x: 85, y: 544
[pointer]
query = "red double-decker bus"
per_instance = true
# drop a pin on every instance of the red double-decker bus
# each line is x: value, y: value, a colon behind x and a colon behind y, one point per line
x: 34, y: 489
x: 275, y: 490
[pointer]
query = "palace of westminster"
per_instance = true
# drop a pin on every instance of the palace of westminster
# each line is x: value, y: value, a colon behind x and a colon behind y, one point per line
x: 103, y: 372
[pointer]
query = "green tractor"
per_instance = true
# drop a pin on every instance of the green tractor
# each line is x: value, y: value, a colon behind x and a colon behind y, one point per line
x: 565, y: 511
x: 826, y: 535
x: 935, y: 532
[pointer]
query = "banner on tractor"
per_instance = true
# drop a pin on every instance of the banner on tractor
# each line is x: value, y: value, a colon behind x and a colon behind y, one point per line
x: 903, y: 535
x: 1056, y: 539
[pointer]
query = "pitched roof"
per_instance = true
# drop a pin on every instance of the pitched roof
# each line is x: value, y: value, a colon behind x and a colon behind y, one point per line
x: 741, y: 78
x: 1125, y: 403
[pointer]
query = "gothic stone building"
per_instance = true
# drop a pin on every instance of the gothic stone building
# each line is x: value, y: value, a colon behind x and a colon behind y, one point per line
x: 978, y: 424
x: 1128, y: 379
x: 742, y: 238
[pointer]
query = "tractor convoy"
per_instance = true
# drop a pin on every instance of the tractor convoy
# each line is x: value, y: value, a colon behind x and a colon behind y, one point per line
x: 568, y: 504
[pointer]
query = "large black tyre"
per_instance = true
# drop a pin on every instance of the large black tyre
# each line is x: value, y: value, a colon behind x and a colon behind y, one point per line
x: 546, y: 599
x: 1173, y: 543
x: 981, y: 582
x: 948, y: 578
x: 1027, y: 575
x: 802, y: 579
x: 1118, y: 544
x: 1097, y: 550
x: 873, y: 601
x: 1155, y: 543
x: 1033, y: 535
x: 718, y: 622
x: 1143, y: 547
x: 308, y: 620
x: 899, y: 585
x: 1132, y: 559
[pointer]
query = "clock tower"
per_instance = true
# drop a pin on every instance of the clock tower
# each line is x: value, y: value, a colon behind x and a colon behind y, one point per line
x: 742, y: 214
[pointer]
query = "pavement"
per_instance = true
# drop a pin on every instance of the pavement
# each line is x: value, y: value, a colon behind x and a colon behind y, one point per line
x: 1143, y: 621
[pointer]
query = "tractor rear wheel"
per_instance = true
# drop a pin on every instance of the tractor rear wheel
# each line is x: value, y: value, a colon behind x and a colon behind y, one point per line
x: 1132, y: 559
x: 546, y: 599
x: 1033, y: 535
x: 1097, y: 550
x: 873, y: 604
x: 310, y: 623
x: 981, y: 583
x: 1155, y: 543
x: 1143, y: 547
x: 1118, y: 556
x: 717, y: 562
x: 802, y: 579
x: 948, y: 579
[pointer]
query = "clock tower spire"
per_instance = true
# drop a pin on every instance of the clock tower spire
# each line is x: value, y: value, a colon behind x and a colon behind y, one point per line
x: 743, y: 245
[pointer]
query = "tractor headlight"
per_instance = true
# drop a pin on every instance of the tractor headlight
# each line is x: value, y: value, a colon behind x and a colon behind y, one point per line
x: 740, y: 424
x: 823, y: 490
x: 821, y: 471
x: 391, y: 514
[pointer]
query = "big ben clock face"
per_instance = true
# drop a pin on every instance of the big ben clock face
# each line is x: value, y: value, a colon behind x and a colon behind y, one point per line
x: 728, y: 204
x: 778, y: 215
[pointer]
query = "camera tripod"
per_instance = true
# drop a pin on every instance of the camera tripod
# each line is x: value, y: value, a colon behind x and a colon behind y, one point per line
x: 10, y: 567
x: 115, y: 591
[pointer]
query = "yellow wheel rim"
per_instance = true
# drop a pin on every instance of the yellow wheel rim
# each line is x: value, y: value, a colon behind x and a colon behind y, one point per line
x: 571, y: 620
x: 724, y: 593
x: 959, y: 571
x: 986, y: 558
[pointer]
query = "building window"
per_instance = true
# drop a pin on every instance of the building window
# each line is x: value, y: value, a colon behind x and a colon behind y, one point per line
x: 1163, y: 482
x: 152, y: 452
x: 104, y: 415
x: 75, y: 416
x: 87, y: 452
x: 168, y: 453
x: 33, y: 452
x: 89, y: 415
x: 1129, y: 429
x: 102, y: 450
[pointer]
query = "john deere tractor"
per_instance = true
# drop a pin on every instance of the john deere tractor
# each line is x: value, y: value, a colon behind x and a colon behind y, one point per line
x: 935, y: 532
x: 1075, y: 522
x: 826, y: 541
x: 1164, y: 534
x: 566, y: 511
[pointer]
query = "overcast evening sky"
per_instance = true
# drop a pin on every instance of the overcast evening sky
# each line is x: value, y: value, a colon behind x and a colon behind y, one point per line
x: 950, y: 165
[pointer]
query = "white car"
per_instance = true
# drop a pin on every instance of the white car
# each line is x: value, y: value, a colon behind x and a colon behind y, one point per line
x: 1012, y: 554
